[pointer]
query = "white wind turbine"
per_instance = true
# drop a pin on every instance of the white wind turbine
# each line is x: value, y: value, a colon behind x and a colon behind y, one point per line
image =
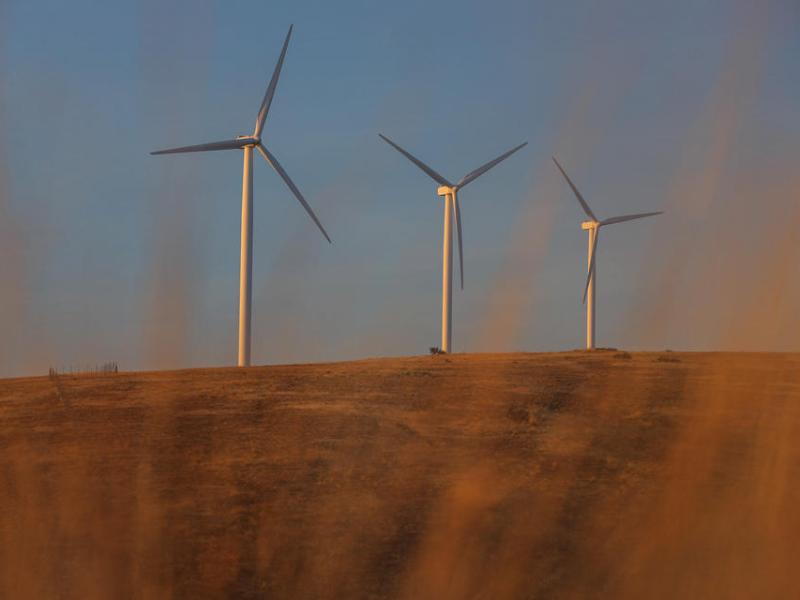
x: 247, y: 143
x: 593, y: 227
x: 450, y: 194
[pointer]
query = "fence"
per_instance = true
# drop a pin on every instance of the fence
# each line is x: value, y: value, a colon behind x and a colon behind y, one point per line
x: 104, y: 369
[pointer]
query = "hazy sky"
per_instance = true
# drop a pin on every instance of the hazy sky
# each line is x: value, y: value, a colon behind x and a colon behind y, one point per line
x: 107, y: 253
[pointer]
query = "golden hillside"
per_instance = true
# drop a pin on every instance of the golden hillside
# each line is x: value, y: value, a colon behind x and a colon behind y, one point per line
x: 571, y: 475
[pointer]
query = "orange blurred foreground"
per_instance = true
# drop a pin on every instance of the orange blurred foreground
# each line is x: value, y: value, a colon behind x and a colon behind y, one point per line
x: 644, y: 475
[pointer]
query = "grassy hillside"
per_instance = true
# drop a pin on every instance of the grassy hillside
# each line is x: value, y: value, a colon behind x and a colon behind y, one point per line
x: 467, y: 476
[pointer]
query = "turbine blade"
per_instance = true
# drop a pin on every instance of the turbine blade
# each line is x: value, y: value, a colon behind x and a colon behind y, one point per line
x: 578, y: 195
x: 213, y: 146
x: 457, y: 211
x: 623, y: 218
x: 273, y: 83
x: 473, y: 175
x: 590, y: 273
x: 273, y: 162
x: 431, y: 173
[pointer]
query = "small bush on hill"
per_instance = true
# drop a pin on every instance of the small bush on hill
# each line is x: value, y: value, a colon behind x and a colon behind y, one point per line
x: 668, y: 359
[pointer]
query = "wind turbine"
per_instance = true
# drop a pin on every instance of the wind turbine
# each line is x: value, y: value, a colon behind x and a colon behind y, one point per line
x: 593, y: 227
x: 247, y: 143
x: 450, y: 194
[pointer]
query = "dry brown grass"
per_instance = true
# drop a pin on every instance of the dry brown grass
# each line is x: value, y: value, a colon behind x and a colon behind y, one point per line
x: 567, y: 475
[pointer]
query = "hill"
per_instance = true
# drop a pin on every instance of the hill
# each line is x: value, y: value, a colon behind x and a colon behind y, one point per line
x: 570, y: 475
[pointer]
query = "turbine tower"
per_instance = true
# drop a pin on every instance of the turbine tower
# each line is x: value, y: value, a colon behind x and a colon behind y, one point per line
x: 247, y: 143
x: 449, y: 192
x: 593, y: 228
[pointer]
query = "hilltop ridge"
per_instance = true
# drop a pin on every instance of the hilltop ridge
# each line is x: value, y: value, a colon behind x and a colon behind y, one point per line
x: 573, y: 474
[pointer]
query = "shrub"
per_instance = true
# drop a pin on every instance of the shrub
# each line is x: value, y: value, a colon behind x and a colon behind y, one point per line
x: 668, y: 359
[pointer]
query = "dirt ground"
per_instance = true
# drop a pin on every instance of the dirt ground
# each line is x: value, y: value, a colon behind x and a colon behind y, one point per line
x: 570, y: 475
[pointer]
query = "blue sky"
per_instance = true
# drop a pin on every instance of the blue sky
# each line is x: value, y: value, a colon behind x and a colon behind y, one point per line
x: 112, y: 254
